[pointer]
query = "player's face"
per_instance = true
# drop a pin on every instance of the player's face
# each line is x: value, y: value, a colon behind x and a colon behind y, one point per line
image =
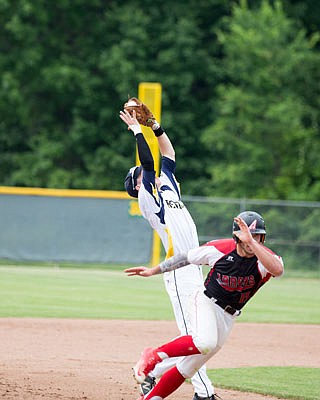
x: 139, y: 181
x: 247, y: 248
x: 257, y: 237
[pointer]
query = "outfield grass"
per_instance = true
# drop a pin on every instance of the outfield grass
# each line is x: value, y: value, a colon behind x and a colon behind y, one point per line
x: 78, y: 293
x: 285, y: 300
x: 110, y: 294
x: 81, y: 293
x: 284, y: 382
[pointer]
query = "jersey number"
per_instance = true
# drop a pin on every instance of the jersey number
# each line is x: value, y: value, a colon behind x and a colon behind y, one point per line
x: 244, y: 297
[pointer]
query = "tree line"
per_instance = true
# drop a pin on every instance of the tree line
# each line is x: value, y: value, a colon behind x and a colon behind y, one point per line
x: 241, y: 93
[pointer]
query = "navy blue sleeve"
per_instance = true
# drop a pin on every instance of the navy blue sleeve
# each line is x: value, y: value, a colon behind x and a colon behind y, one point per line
x: 144, y: 152
x: 168, y: 166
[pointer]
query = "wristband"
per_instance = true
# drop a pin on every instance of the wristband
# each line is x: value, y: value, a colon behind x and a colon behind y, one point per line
x: 158, y: 131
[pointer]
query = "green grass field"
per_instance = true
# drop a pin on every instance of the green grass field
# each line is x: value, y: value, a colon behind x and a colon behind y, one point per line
x: 79, y: 293
x: 89, y: 293
x: 282, y: 382
x: 109, y: 294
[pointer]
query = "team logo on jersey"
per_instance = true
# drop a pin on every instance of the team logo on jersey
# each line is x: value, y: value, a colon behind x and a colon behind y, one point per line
x: 230, y: 258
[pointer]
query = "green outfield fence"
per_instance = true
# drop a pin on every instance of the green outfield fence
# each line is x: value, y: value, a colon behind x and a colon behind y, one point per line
x: 293, y: 227
x: 72, y: 226
x: 59, y: 225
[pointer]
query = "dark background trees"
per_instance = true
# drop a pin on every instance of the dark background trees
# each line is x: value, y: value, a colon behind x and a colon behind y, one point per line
x: 240, y: 92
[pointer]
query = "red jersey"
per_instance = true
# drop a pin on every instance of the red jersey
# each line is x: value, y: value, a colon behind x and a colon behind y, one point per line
x: 232, y: 279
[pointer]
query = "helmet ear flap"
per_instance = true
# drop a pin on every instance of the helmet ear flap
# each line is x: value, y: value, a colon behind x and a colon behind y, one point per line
x: 130, y: 182
x: 236, y: 239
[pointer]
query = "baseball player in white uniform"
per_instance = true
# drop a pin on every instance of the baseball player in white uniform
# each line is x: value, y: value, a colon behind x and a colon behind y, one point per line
x: 160, y: 203
x: 239, y: 267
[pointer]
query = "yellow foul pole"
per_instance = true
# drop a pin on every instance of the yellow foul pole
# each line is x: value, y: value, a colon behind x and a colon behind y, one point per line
x: 150, y: 94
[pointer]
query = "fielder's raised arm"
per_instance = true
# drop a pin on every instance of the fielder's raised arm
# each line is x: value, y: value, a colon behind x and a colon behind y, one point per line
x: 160, y: 203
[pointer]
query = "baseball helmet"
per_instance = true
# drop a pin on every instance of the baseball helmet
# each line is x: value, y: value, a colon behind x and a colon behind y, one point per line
x: 254, y: 221
x: 131, y: 180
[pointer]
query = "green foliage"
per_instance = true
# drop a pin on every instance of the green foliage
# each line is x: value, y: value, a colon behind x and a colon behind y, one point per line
x: 69, y: 67
x: 265, y: 137
x: 243, y: 79
x: 298, y: 383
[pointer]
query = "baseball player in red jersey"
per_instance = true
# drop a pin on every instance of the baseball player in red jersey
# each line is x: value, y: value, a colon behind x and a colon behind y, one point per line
x: 239, y: 267
x: 160, y: 203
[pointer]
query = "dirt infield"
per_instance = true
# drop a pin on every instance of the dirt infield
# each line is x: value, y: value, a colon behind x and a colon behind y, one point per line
x: 92, y: 359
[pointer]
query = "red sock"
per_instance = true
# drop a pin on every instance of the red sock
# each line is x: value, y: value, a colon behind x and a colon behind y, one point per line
x: 168, y: 383
x: 181, y: 346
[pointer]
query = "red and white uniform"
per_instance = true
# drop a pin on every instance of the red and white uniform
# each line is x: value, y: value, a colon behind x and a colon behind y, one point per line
x: 232, y: 281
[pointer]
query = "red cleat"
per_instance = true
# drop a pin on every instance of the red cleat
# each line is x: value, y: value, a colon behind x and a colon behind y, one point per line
x: 148, y: 360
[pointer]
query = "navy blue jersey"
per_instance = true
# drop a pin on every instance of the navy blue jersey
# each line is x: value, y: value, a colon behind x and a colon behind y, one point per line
x: 166, y: 213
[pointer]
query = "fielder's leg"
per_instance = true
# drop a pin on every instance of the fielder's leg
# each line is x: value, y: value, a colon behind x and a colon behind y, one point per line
x: 180, y: 286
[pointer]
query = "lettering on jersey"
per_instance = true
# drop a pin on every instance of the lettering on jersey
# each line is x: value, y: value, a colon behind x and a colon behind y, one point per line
x: 235, y: 282
x: 174, y: 204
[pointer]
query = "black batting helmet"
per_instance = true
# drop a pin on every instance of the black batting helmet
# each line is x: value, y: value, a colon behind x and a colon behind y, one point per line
x: 131, y: 180
x: 254, y: 221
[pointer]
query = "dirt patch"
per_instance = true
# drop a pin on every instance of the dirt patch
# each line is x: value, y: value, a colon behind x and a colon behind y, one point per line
x: 92, y: 359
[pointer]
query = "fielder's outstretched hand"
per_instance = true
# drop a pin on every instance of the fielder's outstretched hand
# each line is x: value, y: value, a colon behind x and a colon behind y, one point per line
x: 130, y: 120
x: 141, y: 271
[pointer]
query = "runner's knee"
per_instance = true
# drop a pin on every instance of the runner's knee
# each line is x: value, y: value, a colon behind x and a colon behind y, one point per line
x: 206, y: 345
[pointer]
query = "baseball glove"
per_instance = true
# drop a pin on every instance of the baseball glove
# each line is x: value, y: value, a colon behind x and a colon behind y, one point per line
x: 143, y: 114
